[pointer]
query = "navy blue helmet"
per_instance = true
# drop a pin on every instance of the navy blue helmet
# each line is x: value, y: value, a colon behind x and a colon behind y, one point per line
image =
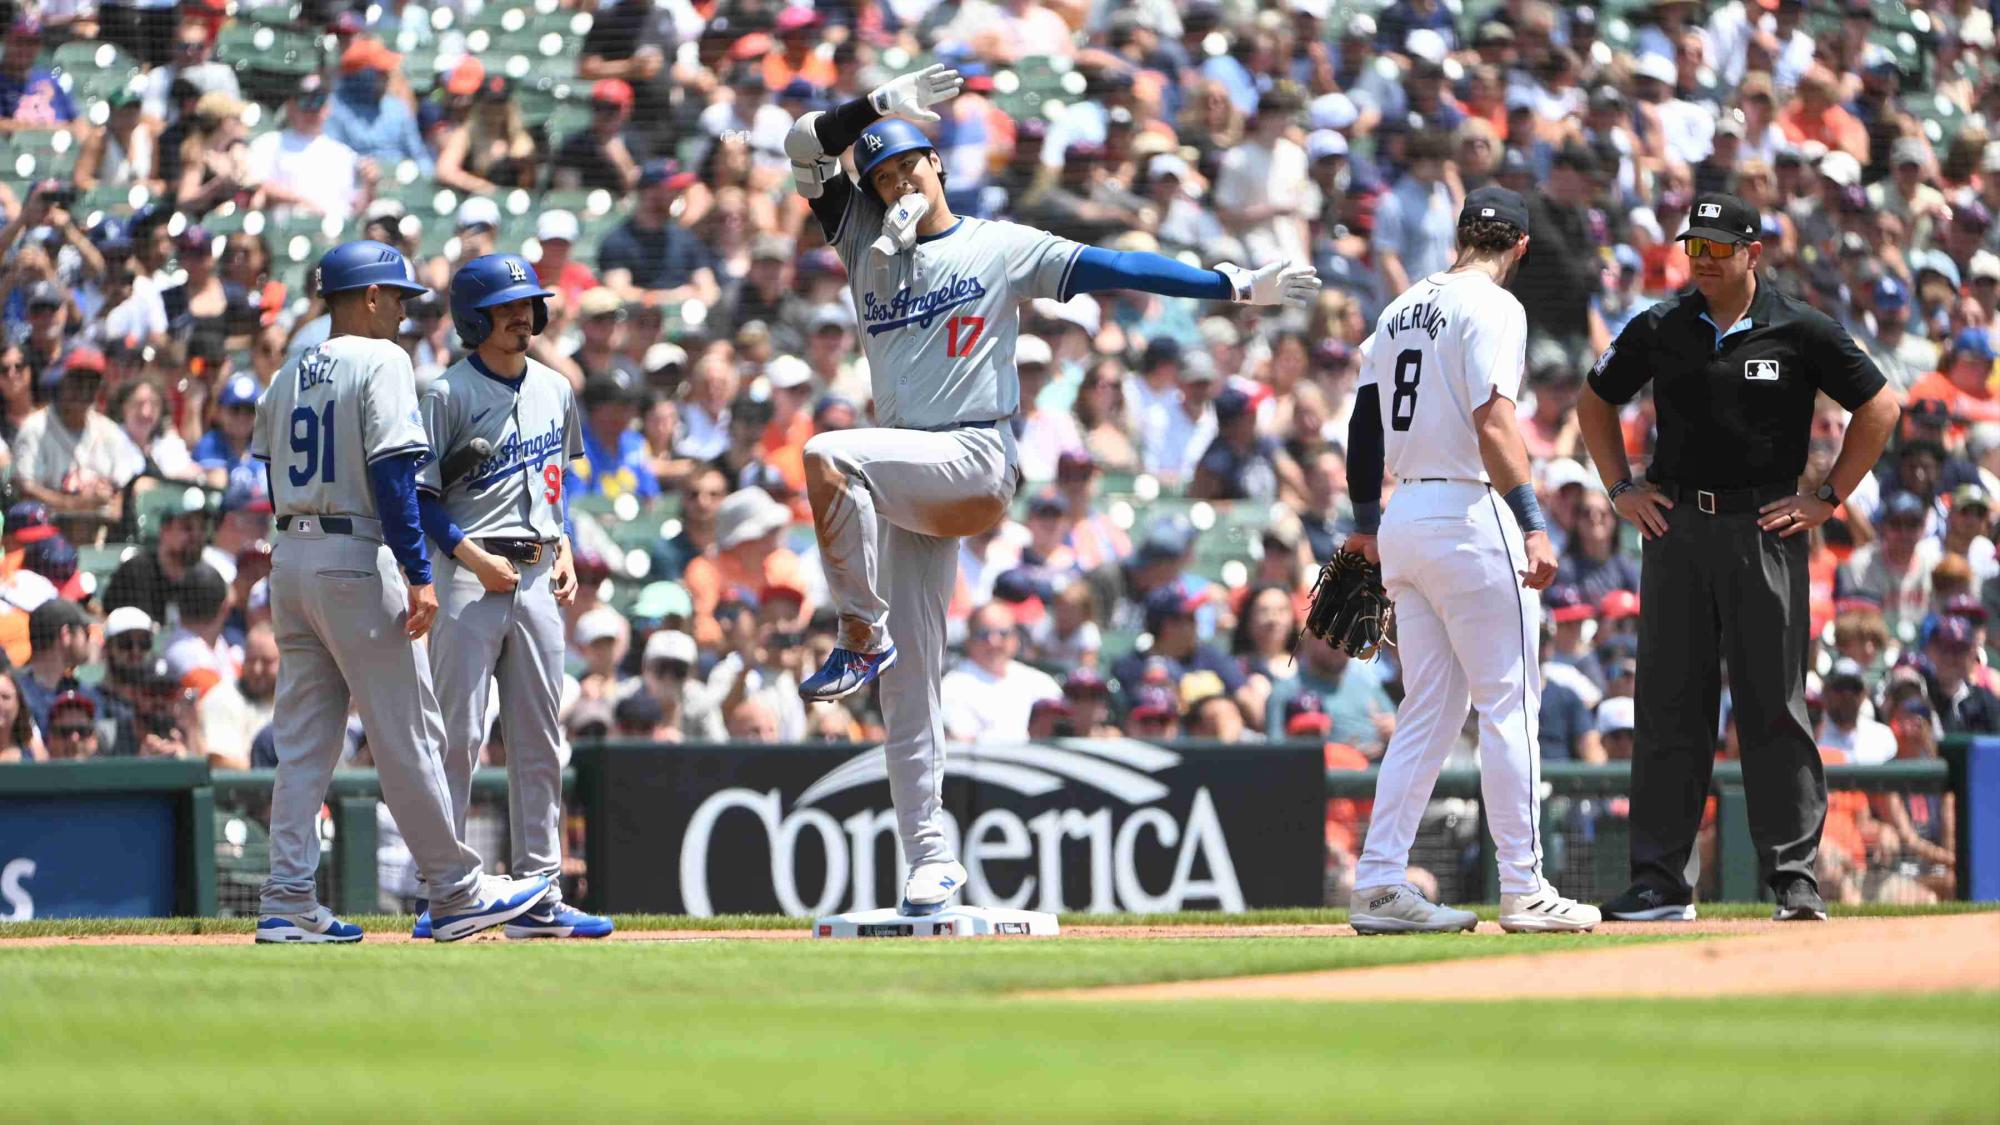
x: 891, y: 136
x: 357, y: 265
x: 489, y: 280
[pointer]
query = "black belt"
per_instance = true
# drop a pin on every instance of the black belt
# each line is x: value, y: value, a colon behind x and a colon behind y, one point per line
x: 985, y: 425
x: 527, y: 551
x: 1439, y: 480
x: 337, y: 525
x: 1728, y: 501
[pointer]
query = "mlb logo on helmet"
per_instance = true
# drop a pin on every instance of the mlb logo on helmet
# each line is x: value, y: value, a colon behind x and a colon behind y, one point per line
x: 1709, y: 211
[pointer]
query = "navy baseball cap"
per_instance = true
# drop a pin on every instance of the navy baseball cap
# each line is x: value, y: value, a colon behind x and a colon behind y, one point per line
x: 1952, y: 632
x: 1231, y: 405
x: 1721, y: 217
x: 1168, y: 602
x: 1891, y: 293
x: 240, y: 390
x: 28, y: 521
x: 1496, y: 203
x: 1153, y: 703
x: 1902, y: 506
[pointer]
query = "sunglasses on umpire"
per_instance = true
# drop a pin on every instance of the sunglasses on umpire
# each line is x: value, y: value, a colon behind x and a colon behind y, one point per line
x: 1709, y: 248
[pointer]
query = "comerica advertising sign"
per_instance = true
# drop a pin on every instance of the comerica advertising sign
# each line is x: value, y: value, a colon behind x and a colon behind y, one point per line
x: 1067, y: 825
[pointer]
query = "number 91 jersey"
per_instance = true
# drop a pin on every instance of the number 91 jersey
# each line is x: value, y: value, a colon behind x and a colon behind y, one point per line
x: 1439, y: 352
x: 327, y: 415
x: 533, y: 432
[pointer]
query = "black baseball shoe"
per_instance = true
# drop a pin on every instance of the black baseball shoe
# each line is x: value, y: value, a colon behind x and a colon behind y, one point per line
x: 1799, y: 902
x: 1648, y: 904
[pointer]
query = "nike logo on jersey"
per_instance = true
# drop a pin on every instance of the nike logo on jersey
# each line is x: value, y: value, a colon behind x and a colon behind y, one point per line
x: 514, y: 453
x: 921, y: 309
x: 478, y: 416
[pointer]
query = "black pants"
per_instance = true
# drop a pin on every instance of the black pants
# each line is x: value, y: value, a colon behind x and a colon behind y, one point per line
x: 1716, y: 586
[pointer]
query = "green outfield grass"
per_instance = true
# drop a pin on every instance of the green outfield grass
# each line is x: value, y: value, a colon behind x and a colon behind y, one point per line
x: 895, y: 1030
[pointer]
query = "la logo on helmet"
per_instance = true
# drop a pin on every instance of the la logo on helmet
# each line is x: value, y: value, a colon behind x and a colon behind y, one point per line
x: 515, y: 272
x: 874, y: 143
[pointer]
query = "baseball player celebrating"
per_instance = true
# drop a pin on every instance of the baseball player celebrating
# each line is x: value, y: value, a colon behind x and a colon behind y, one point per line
x: 505, y: 429
x: 1436, y: 403
x: 938, y: 297
x: 342, y: 440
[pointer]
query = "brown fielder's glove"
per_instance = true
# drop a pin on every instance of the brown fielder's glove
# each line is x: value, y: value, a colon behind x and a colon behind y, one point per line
x: 1350, y: 610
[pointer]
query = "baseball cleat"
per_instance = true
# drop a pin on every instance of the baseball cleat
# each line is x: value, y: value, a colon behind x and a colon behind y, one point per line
x: 846, y: 672
x: 1546, y: 912
x: 1799, y: 902
x: 1646, y: 904
x: 500, y: 901
x: 1402, y: 909
x: 931, y: 886
x: 319, y: 927
x: 422, y: 930
x: 558, y: 920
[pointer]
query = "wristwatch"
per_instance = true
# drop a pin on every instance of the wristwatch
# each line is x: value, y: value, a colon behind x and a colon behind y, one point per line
x: 1826, y: 495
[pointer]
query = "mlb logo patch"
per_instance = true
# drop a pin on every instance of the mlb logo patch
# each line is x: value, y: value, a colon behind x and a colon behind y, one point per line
x: 1708, y: 211
x: 1761, y: 370
x: 1486, y: 212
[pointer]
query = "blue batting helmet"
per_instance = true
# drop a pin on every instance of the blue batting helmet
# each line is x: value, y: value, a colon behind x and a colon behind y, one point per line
x: 888, y: 137
x: 489, y: 280
x: 357, y: 265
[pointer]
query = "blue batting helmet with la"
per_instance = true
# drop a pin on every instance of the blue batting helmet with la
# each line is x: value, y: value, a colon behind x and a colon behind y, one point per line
x: 357, y: 265
x: 884, y: 139
x: 489, y: 280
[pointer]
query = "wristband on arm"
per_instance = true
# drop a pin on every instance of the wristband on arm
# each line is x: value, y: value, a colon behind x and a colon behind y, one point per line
x: 1527, y: 510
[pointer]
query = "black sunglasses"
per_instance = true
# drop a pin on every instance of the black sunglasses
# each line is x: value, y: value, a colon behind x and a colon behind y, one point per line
x: 68, y: 731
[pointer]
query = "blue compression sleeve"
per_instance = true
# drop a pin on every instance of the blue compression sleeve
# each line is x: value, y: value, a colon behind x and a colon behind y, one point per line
x: 1364, y: 459
x: 437, y: 522
x: 1098, y: 269
x: 395, y: 481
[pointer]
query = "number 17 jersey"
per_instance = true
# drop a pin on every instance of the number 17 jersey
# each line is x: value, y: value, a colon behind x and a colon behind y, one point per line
x: 327, y: 415
x: 1439, y: 352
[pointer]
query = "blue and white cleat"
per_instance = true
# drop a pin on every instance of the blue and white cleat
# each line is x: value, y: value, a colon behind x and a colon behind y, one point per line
x: 500, y: 901
x: 846, y: 672
x: 317, y: 928
x: 559, y: 920
x: 931, y: 886
x: 422, y: 930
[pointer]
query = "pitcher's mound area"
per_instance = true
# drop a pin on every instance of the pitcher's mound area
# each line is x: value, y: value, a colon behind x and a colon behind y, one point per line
x: 1843, y: 956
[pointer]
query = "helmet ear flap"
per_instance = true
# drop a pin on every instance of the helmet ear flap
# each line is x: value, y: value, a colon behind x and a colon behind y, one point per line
x: 541, y: 309
x: 473, y: 327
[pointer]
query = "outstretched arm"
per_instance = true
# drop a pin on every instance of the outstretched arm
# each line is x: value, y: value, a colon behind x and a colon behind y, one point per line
x: 1279, y: 283
x: 817, y: 139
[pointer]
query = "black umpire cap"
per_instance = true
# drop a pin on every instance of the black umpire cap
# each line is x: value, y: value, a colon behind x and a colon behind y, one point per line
x: 1723, y: 218
x: 1496, y: 203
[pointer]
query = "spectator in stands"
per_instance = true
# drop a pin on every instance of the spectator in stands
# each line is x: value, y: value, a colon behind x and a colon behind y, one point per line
x: 122, y: 154
x: 1414, y: 220
x: 1962, y: 385
x: 1101, y: 415
x: 231, y: 712
x: 988, y: 696
x: 30, y: 97
x: 198, y: 644
x: 1864, y: 741
x: 1262, y: 644
x: 302, y: 167
x: 1155, y: 714
x: 71, y: 730
x: 651, y: 257
x: 556, y: 232
x: 370, y: 119
x: 17, y: 391
x: 1261, y: 189
x: 1925, y: 824
x: 600, y: 320
x: 668, y: 676
x: 67, y: 455
x: 1615, y: 728
x: 598, y: 158
x: 1092, y: 536
x: 601, y: 636
x: 192, y: 64
x: 492, y: 148
x: 1962, y: 706
x: 1892, y: 571
x: 151, y: 579
x: 224, y: 451
x: 1570, y: 657
x: 1176, y: 430
x: 1591, y: 561
x: 761, y: 659
x: 59, y: 633
x: 704, y: 433
x: 702, y: 493
x: 753, y: 722
x: 748, y: 557
x: 1350, y: 693
x: 614, y: 453
x: 1177, y: 646
x: 1240, y: 464
x: 764, y: 293
x: 19, y: 740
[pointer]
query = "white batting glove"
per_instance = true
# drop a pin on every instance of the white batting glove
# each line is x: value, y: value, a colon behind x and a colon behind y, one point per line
x: 899, y: 226
x: 912, y: 95
x: 1280, y: 283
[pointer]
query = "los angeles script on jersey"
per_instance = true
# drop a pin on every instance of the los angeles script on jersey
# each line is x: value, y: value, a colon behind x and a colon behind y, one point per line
x: 909, y: 306
x: 514, y: 453
x: 1421, y: 314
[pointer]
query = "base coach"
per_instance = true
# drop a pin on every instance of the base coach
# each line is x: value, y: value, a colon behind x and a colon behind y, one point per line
x: 1735, y: 367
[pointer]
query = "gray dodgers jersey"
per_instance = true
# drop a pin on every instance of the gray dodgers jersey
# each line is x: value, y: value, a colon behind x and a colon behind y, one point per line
x: 328, y: 414
x: 533, y: 426
x: 939, y: 321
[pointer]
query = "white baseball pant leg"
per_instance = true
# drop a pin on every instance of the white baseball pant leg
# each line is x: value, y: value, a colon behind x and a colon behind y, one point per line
x: 908, y: 496
x: 1469, y: 635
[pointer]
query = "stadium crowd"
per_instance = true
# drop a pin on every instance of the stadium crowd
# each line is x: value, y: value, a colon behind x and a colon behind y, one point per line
x: 709, y: 333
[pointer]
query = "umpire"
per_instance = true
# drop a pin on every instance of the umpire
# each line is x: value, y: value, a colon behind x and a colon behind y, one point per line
x: 1735, y: 368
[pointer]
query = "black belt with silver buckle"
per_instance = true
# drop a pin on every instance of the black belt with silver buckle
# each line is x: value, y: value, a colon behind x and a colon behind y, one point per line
x: 336, y: 525
x: 1726, y: 502
x: 528, y: 551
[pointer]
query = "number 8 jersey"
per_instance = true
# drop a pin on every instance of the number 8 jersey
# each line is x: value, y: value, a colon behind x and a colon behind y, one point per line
x: 1439, y: 352
x: 341, y: 405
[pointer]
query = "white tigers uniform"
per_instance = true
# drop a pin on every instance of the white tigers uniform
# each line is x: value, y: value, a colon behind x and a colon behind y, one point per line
x: 1468, y: 632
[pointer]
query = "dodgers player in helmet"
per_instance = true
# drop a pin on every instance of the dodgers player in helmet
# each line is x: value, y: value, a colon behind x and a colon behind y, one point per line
x: 505, y: 429
x: 1435, y: 406
x: 351, y: 593
x: 938, y: 299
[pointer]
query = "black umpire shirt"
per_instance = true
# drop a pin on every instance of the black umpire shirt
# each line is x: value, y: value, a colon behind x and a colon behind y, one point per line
x: 1735, y: 408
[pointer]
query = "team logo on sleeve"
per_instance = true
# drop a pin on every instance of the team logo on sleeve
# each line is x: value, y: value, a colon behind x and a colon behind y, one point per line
x: 1761, y: 370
